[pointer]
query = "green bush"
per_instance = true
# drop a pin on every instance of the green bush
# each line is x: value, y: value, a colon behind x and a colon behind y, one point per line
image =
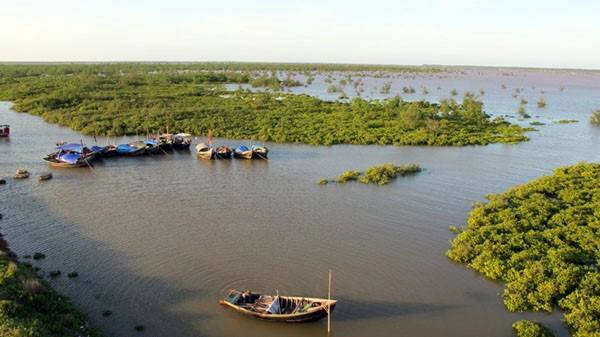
x: 595, y: 118
x: 379, y: 175
x: 543, y: 240
x: 525, y: 328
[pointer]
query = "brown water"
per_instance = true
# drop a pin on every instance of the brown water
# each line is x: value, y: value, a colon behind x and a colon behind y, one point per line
x: 157, y: 240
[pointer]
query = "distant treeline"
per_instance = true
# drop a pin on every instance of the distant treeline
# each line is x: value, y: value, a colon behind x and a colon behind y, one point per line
x: 119, y: 99
x: 65, y: 68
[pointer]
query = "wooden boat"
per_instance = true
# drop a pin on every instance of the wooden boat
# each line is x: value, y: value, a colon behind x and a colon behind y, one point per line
x: 243, y: 152
x: 71, y: 155
x: 223, y: 152
x: 164, y: 141
x: 182, y: 141
x: 4, y: 130
x: 132, y: 149
x: 292, y: 309
x: 205, y: 152
x: 152, y: 146
x: 110, y: 151
x: 259, y: 152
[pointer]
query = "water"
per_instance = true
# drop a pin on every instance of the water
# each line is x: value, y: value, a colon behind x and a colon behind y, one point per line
x: 158, y: 240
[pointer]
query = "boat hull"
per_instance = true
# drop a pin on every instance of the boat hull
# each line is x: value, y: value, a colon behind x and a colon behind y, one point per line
x: 260, y: 154
x: 223, y: 155
x: 210, y: 154
x: 56, y: 163
x: 243, y: 155
x: 313, y: 314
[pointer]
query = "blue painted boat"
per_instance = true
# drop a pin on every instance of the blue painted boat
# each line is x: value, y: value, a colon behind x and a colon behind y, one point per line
x: 242, y: 152
x: 131, y: 149
x: 71, y: 155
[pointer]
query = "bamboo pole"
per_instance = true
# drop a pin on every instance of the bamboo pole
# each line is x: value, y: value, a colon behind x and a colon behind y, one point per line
x: 329, y: 305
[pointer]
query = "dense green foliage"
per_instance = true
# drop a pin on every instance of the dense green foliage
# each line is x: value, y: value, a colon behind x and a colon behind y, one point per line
x: 382, y: 174
x: 379, y: 175
x: 543, y: 240
x: 29, y: 306
x: 524, y: 328
x: 118, y: 99
x: 595, y: 118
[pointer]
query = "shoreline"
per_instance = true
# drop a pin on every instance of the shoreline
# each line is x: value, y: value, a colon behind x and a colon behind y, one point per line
x: 30, y: 306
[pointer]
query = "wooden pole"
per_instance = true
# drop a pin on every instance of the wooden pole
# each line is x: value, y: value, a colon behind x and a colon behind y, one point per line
x: 328, y: 305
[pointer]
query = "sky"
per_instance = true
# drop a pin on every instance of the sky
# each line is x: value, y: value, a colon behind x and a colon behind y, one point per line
x: 526, y: 33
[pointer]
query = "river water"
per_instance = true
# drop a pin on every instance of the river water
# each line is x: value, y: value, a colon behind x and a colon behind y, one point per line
x: 157, y: 240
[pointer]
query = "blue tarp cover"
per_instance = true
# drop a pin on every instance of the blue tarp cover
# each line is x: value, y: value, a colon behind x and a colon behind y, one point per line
x: 125, y: 148
x: 71, y: 148
x: 70, y: 158
x: 242, y: 148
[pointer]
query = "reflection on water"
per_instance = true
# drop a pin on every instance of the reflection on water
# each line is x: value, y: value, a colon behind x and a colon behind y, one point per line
x: 157, y: 240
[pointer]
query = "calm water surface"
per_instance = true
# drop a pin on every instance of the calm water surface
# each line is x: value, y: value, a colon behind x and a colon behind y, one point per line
x: 157, y: 240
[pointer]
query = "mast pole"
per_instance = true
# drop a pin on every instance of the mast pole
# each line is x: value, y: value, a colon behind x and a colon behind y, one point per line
x: 329, y: 305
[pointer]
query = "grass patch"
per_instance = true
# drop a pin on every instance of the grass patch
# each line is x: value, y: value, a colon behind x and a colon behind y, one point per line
x: 566, y: 121
x: 30, y: 307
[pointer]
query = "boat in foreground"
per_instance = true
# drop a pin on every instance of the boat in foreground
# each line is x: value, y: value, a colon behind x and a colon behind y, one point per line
x: 204, y: 151
x: 291, y: 309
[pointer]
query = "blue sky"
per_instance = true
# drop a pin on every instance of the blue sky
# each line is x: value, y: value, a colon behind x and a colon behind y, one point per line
x: 470, y: 32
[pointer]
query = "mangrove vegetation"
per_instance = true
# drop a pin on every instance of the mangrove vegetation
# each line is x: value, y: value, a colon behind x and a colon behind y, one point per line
x: 127, y: 99
x: 379, y: 175
x: 543, y: 240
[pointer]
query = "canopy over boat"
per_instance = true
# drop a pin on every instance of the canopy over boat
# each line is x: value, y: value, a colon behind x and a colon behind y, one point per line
x: 73, y: 147
x: 69, y: 158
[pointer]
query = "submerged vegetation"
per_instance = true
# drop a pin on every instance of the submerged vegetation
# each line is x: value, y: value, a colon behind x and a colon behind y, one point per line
x: 543, y: 240
x: 30, y: 307
x: 121, y: 99
x: 379, y: 175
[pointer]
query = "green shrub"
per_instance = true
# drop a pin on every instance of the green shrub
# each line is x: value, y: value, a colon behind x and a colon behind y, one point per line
x: 542, y: 240
x: 595, y: 118
x: 525, y: 328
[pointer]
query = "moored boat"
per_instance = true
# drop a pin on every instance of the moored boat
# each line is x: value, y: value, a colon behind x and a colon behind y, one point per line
x: 164, y: 141
x: 205, y: 151
x: 132, y: 149
x: 223, y: 152
x: 259, y: 151
x: 152, y: 146
x: 4, y: 130
x: 243, y: 152
x: 182, y: 141
x: 293, y: 309
x: 71, y: 155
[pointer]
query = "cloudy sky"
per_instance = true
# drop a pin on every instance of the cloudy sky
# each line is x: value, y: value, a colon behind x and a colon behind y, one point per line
x: 528, y: 33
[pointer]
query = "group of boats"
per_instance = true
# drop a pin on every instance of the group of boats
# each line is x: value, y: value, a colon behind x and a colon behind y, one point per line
x: 79, y: 155
x: 205, y: 151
